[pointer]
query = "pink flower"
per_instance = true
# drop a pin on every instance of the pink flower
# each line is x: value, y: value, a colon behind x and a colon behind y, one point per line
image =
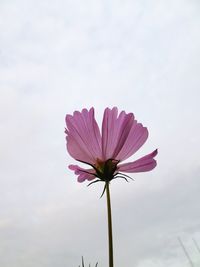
x: 121, y: 136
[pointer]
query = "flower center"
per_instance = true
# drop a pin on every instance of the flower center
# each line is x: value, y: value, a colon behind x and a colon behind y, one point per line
x: 105, y: 170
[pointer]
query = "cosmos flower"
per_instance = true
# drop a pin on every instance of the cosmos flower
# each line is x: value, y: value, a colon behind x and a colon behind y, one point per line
x: 121, y: 136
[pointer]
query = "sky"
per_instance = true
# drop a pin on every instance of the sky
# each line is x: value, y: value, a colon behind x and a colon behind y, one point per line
x: 60, y: 56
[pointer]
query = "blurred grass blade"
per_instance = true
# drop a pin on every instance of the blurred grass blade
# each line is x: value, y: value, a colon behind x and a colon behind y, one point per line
x: 82, y: 262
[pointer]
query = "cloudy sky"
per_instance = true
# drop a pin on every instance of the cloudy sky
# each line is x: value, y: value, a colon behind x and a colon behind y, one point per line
x: 60, y: 56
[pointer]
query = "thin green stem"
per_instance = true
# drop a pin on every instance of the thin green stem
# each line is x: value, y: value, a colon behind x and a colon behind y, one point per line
x: 110, y: 239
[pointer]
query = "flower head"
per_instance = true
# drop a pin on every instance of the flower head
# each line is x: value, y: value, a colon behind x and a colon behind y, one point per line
x: 121, y: 136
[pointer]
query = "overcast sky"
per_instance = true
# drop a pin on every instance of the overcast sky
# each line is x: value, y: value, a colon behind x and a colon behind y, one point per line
x: 60, y: 56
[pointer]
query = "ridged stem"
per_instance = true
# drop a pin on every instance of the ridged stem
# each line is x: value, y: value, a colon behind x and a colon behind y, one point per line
x: 110, y: 238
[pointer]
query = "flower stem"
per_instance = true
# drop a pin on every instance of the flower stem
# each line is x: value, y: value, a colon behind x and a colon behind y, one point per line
x: 110, y: 239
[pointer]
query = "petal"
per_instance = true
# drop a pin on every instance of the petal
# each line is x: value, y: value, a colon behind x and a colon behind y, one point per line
x: 83, y: 174
x: 130, y: 144
x: 122, y: 136
x: 115, y: 130
x: 108, y: 131
x: 144, y: 164
x: 83, y: 136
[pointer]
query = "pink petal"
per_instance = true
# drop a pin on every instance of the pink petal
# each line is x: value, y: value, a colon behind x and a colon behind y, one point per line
x: 136, y: 138
x: 115, y: 130
x: 83, y: 136
x: 144, y: 164
x: 83, y: 174
x: 122, y: 135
